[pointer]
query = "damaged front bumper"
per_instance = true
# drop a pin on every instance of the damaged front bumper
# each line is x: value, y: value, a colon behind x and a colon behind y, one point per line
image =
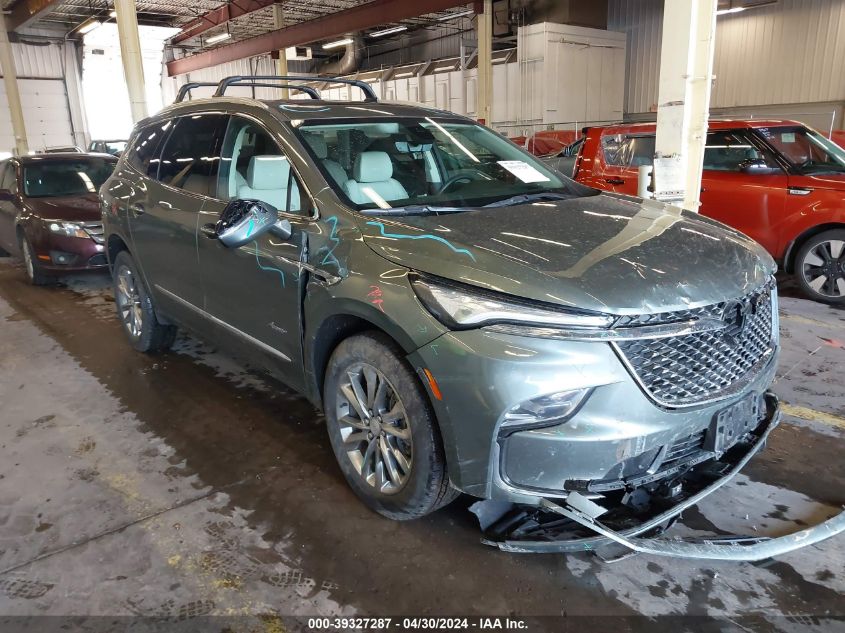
x: 572, y: 524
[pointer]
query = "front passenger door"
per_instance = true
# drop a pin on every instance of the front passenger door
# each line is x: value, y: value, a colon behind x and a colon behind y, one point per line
x: 253, y: 293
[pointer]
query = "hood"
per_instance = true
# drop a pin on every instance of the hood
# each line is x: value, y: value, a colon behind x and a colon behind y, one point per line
x: 605, y: 253
x: 81, y: 208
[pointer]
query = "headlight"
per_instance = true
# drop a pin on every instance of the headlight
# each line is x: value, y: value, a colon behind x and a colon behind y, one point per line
x: 68, y: 229
x: 544, y: 410
x: 464, y: 308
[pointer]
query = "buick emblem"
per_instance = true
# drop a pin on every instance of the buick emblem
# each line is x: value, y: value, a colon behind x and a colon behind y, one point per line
x: 735, y: 316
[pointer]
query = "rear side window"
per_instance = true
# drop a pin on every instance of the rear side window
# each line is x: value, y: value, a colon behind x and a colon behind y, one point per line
x: 621, y: 150
x: 190, y: 155
x: 9, y: 181
x: 143, y: 155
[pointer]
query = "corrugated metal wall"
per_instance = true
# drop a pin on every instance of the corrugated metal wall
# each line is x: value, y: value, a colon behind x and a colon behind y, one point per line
x: 790, y: 52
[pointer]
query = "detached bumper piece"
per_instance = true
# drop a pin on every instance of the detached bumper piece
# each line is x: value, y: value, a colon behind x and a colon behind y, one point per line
x: 641, y: 516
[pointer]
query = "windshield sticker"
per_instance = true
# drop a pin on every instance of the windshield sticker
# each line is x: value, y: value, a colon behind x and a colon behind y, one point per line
x: 522, y: 170
x: 787, y: 137
x: 436, y: 238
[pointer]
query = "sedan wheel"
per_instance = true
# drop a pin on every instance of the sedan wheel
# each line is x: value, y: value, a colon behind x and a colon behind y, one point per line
x: 375, y: 429
x: 820, y: 267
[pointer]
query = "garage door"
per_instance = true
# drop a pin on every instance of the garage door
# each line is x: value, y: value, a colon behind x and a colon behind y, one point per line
x: 45, y: 112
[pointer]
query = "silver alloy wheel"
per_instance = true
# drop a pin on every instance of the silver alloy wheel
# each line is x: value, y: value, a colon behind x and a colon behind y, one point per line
x: 129, y: 302
x: 374, y: 429
x: 824, y: 268
x: 27, y: 260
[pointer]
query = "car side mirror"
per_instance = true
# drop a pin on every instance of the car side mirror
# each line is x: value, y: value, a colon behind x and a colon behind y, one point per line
x: 757, y: 167
x: 243, y: 221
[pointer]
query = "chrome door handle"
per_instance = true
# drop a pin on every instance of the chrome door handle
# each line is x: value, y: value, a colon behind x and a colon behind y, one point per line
x: 614, y: 181
x: 799, y: 191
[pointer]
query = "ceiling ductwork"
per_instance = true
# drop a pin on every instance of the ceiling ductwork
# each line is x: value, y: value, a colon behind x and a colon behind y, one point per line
x: 353, y: 55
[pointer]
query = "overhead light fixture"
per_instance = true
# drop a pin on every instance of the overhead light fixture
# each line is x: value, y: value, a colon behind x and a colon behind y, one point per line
x: 440, y: 69
x: 406, y: 74
x: 452, y: 16
x: 343, y: 42
x: 218, y: 38
x: 113, y: 14
x: 88, y: 26
x: 390, y: 31
x: 731, y: 10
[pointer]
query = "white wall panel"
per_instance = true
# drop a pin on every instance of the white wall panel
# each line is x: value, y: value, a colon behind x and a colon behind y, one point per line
x: 789, y: 52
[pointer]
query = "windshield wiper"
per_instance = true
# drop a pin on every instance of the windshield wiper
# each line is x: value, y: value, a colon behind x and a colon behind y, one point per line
x: 415, y: 209
x: 529, y: 197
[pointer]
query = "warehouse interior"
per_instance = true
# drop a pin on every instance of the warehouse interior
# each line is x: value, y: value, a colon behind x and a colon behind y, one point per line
x: 627, y: 216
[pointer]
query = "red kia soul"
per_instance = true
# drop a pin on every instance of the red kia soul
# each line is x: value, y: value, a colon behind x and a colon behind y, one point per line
x: 779, y: 182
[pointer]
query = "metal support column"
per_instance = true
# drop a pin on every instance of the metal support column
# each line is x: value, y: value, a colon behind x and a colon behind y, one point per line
x: 13, y: 95
x: 279, y: 23
x: 130, y: 53
x: 484, y: 83
x: 683, y: 105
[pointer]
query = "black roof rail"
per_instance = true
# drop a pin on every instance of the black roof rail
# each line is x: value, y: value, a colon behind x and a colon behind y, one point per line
x: 184, y: 90
x: 369, y: 95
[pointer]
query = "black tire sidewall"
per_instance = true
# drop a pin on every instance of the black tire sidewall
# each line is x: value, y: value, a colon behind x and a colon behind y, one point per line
x: 834, y: 234
x: 421, y: 493
x: 37, y: 278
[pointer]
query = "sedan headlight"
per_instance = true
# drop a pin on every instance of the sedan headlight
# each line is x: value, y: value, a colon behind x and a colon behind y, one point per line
x: 460, y: 308
x: 68, y: 229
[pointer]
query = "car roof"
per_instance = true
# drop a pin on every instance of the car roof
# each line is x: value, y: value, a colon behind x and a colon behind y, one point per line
x: 712, y: 124
x: 58, y: 156
x: 298, y: 109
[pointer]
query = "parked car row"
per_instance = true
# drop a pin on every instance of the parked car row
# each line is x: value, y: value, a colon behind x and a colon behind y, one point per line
x: 468, y: 319
x: 779, y: 182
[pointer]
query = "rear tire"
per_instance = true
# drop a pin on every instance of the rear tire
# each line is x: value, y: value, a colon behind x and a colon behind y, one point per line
x: 820, y: 267
x: 385, y: 438
x: 34, y: 273
x: 136, y: 310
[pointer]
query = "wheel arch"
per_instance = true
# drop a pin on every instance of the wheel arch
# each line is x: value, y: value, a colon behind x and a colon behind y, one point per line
x: 334, y: 329
x: 114, y: 245
x: 796, y: 244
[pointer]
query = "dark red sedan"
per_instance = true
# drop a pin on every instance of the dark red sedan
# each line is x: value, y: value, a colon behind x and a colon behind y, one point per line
x: 50, y: 212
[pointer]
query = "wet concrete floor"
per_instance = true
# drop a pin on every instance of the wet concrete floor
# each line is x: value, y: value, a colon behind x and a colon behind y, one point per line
x: 186, y: 485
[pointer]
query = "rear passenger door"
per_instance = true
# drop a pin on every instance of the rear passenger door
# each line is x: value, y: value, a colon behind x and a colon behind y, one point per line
x: 253, y: 293
x: 164, y: 213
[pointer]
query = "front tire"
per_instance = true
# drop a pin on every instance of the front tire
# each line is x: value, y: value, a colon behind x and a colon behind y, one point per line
x: 820, y: 267
x: 136, y: 310
x: 33, y: 270
x: 382, y: 430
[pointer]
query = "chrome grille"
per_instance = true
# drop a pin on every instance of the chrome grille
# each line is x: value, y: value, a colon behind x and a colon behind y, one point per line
x: 694, y: 368
x: 94, y: 230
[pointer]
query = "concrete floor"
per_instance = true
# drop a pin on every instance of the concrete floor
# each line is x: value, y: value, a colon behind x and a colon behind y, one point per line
x: 186, y: 486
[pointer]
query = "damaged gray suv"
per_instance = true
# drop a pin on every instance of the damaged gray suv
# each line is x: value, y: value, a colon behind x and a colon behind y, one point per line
x: 469, y: 320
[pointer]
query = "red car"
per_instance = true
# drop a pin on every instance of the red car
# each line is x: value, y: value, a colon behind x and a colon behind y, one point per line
x: 50, y: 212
x: 779, y: 182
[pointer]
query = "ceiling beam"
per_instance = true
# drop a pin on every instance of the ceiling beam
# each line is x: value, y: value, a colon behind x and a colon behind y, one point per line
x: 357, y: 18
x: 218, y: 16
x: 26, y: 12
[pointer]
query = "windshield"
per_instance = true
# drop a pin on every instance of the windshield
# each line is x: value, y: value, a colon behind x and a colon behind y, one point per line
x: 806, y: 149
x: 46, y: 179
x: 384, y: 164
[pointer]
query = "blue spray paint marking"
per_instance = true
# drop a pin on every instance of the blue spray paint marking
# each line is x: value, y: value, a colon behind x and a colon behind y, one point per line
x: 250, y: 228
x: 330, y: 258
x: 427, y: 236
x: 268, y: 268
